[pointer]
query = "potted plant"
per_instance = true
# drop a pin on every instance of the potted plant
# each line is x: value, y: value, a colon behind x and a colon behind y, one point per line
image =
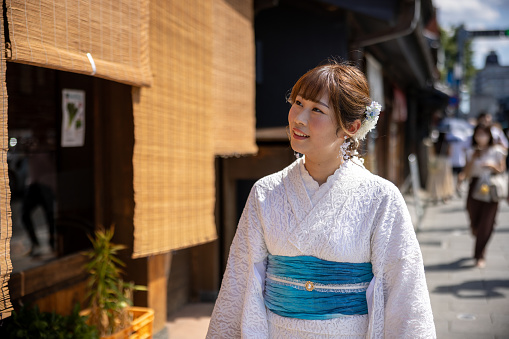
x: 109, y: 297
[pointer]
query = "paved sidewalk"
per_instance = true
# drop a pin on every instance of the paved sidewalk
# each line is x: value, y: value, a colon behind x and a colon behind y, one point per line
x: 467, y: 302
x: 191, y: 322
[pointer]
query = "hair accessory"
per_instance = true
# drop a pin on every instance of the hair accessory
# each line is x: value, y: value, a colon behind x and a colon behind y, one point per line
x: 372, y: 115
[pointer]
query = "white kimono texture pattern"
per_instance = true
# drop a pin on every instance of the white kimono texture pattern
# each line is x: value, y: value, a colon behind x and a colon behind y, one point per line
x: 354, y: 217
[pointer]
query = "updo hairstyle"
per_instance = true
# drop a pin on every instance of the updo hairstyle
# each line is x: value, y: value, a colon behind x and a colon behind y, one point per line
x: 348, y: 93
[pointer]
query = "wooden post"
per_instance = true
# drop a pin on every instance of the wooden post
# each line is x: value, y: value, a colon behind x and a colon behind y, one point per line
x: 158, y: 272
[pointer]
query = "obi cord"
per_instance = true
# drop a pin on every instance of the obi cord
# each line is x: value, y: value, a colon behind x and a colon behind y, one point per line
x: 306, y: 287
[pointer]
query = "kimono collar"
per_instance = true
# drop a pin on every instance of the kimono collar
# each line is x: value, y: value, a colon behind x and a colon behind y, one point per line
x: 310, y: 182
x: 342, y: 179
x: 314, y: 191
x: 312, y: 220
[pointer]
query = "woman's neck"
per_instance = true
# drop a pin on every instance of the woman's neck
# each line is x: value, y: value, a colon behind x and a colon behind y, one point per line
x: 321, y: 170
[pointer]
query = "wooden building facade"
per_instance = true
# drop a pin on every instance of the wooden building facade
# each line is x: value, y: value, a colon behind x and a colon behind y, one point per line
x: 125, y: 103
x: 174, y: 92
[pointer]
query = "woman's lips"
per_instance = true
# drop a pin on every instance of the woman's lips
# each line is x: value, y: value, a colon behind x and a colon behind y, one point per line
x: 299, y: 135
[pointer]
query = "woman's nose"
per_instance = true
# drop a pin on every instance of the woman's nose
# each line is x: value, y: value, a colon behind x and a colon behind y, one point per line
x: 301, y: 117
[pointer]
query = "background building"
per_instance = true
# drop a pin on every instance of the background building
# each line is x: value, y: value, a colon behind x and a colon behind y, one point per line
x: 175, y: 92
x: 491, y: 89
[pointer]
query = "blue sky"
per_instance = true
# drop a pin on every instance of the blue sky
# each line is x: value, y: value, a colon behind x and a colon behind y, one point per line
x: 478, y: 15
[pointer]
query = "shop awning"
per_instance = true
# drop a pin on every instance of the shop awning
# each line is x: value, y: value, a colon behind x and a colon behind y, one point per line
x: 384, y: 10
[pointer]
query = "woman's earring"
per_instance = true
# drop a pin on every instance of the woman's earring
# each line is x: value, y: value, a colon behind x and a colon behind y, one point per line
x: 344, y: 152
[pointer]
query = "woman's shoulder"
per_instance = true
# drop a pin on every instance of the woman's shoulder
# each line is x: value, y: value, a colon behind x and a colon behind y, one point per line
x: 273, y: 181
x: 380, y: 187
x: 498, y: 150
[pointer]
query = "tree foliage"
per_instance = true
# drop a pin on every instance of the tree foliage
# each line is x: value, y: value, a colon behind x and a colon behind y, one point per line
x: 449, y: 42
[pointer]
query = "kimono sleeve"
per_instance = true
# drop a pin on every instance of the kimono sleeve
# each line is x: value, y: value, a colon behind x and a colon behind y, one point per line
x: 239, y: 311
x: 402, y: 307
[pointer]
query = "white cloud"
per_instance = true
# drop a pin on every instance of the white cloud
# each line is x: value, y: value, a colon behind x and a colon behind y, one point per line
x: 478, y: 15
x: 473, y: 13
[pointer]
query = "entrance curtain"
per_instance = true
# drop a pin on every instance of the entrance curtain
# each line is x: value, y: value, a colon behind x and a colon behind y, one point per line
x: 173, y: 157
x: 233, y: 92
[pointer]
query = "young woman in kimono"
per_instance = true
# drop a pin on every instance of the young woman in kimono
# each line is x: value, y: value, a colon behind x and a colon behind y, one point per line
x: 324, y: 248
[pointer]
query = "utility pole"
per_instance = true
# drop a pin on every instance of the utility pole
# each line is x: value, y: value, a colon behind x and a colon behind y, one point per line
x: 459, y: 67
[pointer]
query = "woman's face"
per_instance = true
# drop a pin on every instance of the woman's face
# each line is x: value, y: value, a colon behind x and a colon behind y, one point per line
x: 482, y: 138
x: 313, y: 128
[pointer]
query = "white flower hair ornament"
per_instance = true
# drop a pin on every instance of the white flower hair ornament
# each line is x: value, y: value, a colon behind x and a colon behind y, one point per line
x: 372, y: 115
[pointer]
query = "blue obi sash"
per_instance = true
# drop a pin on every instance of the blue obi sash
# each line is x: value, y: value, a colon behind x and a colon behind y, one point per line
x: 306, y: 287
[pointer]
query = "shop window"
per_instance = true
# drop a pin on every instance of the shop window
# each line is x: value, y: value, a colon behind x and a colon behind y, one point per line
x: 52, y: 184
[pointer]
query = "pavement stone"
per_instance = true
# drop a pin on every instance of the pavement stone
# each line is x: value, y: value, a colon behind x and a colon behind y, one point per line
x: 191, y: 322
x: 467, y: 302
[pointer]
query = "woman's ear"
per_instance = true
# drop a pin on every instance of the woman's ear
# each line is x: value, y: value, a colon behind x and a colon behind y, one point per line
x: 354, y: 127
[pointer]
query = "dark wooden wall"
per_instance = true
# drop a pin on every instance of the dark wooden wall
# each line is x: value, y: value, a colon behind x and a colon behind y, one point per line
x: 290, y: 40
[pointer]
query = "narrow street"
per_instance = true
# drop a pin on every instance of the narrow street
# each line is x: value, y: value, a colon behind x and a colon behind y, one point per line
x: 468, y: 303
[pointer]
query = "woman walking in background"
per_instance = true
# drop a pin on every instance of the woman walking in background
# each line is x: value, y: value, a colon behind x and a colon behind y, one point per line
x: 440, y: 183
x: 485, y: 158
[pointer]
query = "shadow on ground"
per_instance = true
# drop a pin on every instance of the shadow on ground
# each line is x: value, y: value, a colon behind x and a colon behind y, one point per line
x: 475, y: 289
x: 460, y: 264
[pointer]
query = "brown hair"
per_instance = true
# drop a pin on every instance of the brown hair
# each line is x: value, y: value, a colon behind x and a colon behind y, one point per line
x: 347, y: 87
x: 486, y: 129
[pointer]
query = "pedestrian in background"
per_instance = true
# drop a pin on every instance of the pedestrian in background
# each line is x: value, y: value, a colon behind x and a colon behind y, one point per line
x: 499, y: 137
x: 440, y: 183
x: 459, y: 149
x: 485, y: 157
x: 40, y: 191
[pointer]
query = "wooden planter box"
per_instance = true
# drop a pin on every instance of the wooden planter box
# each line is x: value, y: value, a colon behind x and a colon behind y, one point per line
x: 140, y: 328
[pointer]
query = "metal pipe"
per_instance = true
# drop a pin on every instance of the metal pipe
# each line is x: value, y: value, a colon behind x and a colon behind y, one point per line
x: 394, y: 35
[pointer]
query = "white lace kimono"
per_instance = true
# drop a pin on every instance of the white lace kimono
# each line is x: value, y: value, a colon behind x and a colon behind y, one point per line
x: 354, y: 217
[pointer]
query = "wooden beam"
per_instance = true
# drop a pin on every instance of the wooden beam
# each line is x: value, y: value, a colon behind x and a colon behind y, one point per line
x: 47, y: 279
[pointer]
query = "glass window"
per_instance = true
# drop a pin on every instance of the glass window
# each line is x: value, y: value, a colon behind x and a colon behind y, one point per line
x: 52, y: 187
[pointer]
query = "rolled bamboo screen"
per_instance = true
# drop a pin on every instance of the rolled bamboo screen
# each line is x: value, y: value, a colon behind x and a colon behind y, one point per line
x: 233, y: 91
x: 174, y: 152
x: 201, y: 102
x: 5, y: 194
x: 59, y: 33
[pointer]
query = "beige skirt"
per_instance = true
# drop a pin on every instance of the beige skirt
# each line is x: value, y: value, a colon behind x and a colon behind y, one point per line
x: 440, y: 183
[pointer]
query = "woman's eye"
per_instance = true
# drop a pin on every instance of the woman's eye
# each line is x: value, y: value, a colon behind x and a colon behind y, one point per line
x: 317, y: 110
x: 298, y: 103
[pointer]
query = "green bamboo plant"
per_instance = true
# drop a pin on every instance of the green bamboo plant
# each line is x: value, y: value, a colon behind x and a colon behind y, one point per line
x: 109, y: 296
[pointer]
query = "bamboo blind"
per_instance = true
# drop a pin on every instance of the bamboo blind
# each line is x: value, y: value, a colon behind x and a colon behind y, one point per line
x: 5, y: 194
x: 173, y: 152
x: 59, y: 33
x: 233, y: 91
